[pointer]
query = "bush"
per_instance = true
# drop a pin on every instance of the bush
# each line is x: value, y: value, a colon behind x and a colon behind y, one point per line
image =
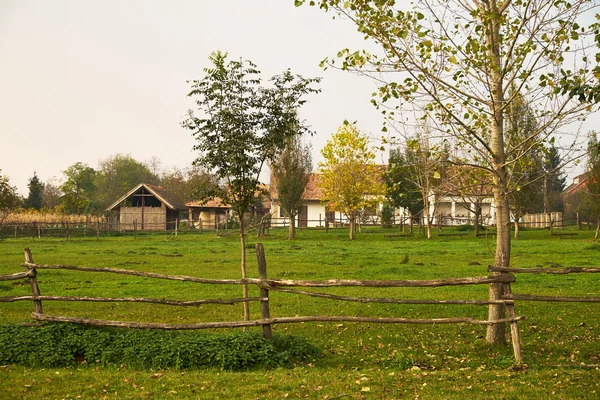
x: 59, y: 345
x: 469, y: 228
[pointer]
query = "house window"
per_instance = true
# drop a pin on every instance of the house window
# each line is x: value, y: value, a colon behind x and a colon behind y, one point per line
x: 281, y: 212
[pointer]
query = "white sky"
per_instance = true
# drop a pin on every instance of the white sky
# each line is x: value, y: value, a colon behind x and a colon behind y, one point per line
x: 83, y: 80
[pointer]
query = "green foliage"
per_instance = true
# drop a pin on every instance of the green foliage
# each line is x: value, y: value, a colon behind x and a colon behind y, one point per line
x: 242, y: 123
x: 291, y: 172
x: 400, y: 182
x: 349, y: 177
x: 387, y: 214
x: 79, y: 188
x: 36, y: 193
x: 117, y: 175
x: 59, y: 345
x: 9, y: 199
x: 469, y: 228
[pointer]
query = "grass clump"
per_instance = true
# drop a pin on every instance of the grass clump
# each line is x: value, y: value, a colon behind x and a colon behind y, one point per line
x: 61, y: 345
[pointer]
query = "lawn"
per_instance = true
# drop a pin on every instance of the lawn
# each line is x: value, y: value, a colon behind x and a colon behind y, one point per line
x: 560, y: 341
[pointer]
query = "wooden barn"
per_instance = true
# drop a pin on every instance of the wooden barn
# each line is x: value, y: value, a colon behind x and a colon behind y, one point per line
x: 148, y: 208
x: 208, y: 215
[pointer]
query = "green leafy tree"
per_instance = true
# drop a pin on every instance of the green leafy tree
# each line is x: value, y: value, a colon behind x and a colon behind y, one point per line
x: 36, y: 193
x: 9, y: 199
x: 350, y: 179
x: 455, y: 61
x: 117, y: 175
x: 242, y: 125
x: 525, y: 172
x: 554, y: 181
x: 400, y: 187
x: 189, y: 183
x: 79, y: 188
x: 291, y: 170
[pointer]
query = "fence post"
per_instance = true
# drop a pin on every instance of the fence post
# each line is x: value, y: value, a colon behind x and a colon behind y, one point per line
x: 35, y: 289
x: 98, y: 230
x: 264, y: 292
x: 514, y: 327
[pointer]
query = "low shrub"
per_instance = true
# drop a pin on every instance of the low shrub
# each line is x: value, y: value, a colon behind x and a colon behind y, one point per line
x: 59, y: 345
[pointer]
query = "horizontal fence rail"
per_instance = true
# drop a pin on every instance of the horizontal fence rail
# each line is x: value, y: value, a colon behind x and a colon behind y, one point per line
x: 266, y: 285
x: 549, y: 271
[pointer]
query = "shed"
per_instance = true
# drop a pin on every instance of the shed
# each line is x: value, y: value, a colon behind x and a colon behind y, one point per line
x: 148, y: 208
x: 208, y: 214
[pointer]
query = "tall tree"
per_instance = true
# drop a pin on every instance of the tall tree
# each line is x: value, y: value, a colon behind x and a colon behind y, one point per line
x: 36, y: 193
x: 525, y: 171
x: 189, y: 183
x: 118, y: 174
x: 52, y: 194
x: 9, y: 199
x: 242, y: 126
x: 291, y: 171
x: 554, y: 181
x: 79, y: 188
x: 458, y: 60
x: 400, y: 187
x: 350, y: 178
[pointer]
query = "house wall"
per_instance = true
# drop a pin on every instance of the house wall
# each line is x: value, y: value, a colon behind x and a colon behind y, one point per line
x: 145, y: 218
x: 208, y: 218
x: 315, y: 213
x: 456, y: 211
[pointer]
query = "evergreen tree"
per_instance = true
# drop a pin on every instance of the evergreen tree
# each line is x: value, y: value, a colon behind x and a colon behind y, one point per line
x: 36, y: 193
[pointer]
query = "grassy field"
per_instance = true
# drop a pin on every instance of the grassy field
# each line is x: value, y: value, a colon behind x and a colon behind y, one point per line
x: 561, y: 342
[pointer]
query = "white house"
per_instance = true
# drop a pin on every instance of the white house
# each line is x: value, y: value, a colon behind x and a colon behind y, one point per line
x: 456, y: 198
x: 312, y: 213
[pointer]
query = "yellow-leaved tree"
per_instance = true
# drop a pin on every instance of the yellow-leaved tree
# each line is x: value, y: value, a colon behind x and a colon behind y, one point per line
x: 350, y: 179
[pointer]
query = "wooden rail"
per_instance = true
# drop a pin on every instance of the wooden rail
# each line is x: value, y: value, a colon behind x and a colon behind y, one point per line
x: 266, y: 285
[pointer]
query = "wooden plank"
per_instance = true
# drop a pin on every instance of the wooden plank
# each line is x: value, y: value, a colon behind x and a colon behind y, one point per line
x: 391, y: 300
x: 35, y: 289
x: 264, y: 292
x: 182, y: 278
x: 514, y: 327
x: 558, y: 299
x: 131, y: 300
x: 18, y: 275
x: 568, y: 270
x: 505, y: 278
x: 284, y: 320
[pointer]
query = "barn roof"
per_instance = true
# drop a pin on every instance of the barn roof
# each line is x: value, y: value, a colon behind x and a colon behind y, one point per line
x: 168, y: 199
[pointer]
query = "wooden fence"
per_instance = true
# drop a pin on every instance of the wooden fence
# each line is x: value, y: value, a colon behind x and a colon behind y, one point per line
x: 503, y: 276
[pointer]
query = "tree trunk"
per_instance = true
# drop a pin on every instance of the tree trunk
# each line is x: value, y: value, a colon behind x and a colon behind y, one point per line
x: 352, y: 225
x: 597, y: 229
x: 292, y: 227
x: 477, y: 217
x: 516, y: 227
x: 427, y: 219
x: 496, y: 333
x: 244, y: 276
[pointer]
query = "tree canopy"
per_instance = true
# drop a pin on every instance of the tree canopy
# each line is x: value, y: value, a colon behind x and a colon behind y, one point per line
x: 456, y: 63
x: 242, y: 124
x: 291, y: 172
x: 350, y: 179
x: 9, y: 199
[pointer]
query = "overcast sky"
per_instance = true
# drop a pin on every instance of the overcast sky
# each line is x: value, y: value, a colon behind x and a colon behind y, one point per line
x: 84, y: 80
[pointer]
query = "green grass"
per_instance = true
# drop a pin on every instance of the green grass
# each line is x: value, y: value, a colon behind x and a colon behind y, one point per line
x: 560, y: 341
